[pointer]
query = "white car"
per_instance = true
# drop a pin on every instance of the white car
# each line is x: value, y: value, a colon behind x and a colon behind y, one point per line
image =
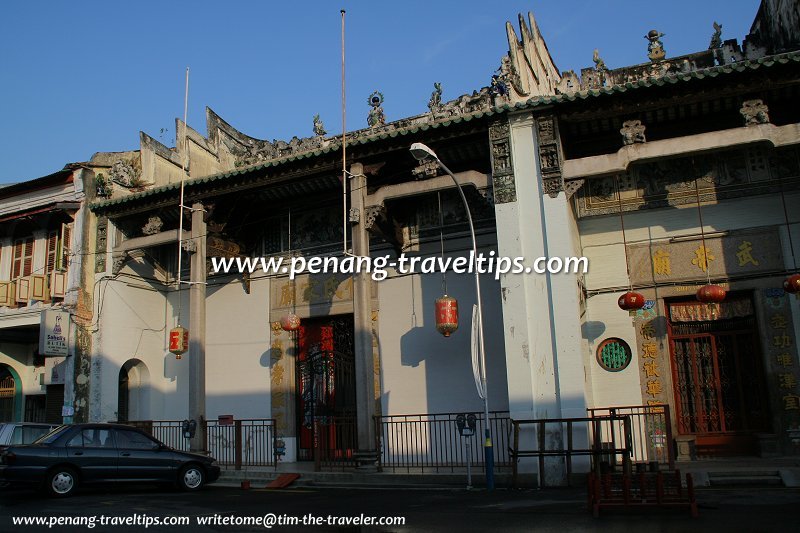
x: 12, y: 433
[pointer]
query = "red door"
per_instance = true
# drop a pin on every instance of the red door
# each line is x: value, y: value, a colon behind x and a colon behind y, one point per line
x: 718, y: 378
x: 325, y: 389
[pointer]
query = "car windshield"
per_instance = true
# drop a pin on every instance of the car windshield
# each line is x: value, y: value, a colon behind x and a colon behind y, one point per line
x: 52, y: 436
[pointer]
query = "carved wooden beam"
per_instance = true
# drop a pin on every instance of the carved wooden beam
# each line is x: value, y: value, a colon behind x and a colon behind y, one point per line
x: 379, y: 222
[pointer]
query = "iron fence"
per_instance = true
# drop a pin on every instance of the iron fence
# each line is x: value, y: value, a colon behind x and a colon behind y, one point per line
x: 335, y: 442
x: 432, y: 442
x: 556, y: 442
x: 170, y: 432
x: 248, y: 442
x: 650, y: 433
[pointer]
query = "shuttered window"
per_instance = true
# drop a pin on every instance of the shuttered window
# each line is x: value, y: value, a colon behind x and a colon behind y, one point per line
x: 22, y: 264
x: 64, y: 247
x: 52, y: 251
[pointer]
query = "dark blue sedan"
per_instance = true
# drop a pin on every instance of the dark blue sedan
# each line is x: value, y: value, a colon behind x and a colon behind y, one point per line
x: 78, y: 454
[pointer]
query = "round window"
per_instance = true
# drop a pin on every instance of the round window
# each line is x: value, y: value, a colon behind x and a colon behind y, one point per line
x: 614, y: 354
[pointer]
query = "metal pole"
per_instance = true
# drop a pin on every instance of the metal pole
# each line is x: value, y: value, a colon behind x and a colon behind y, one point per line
x: 469, y: 464
x: 487, y: 446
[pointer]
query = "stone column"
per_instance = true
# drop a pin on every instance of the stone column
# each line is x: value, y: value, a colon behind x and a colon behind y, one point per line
x: 541, y: 316
x: 197, y: 327
x: 362, y: 319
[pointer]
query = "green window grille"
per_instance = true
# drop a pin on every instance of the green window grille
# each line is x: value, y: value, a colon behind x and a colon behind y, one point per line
x: 614, y: 354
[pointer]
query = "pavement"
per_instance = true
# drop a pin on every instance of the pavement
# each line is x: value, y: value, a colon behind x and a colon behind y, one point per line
x: 416, y: 510
x: 722, y: 472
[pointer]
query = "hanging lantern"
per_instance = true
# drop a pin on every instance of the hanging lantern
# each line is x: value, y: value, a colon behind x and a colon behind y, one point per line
x: 792, y: 284
x: 178, y: 341
x: 290, y: 322
x: 631, y: 302
x: 711, y: 294
x: 446, y: 315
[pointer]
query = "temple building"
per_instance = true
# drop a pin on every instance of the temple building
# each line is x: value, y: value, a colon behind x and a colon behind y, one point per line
x: 670, y: 176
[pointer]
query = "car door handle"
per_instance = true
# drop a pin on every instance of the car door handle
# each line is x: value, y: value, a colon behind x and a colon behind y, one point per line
x: 125, y: 455
x: 78, y: 453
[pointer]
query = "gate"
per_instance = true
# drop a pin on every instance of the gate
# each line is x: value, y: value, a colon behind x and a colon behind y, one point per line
x: 326, y: 393
x: 720, y: 395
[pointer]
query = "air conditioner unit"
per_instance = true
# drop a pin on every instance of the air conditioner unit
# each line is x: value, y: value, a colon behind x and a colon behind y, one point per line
x: 23, y: 290
x: 38, y: 288
x: 7, y: 294
x: 58, y: 284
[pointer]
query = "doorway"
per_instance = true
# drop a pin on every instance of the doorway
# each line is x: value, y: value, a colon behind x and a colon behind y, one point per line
x: 326, y: 391
x: 8, y: 393
x: 718, y: 375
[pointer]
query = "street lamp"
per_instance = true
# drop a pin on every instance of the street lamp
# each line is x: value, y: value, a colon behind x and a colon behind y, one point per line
x: 422, y: 152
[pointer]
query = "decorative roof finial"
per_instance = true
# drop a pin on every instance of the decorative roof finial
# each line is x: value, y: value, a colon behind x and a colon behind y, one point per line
x: 435, y: 103
x: 716, y: 38
x: 376, y: 117
x: 655, y: 50
x: 599, y: 64
x: 319, y: 127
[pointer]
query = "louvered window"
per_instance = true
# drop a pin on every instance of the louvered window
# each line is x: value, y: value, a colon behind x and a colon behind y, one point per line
x: 52, y: 251
x: 64, y: 247
x: 22, y: 264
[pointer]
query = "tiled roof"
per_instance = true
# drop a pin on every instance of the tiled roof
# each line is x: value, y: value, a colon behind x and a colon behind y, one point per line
x: 668, y: 79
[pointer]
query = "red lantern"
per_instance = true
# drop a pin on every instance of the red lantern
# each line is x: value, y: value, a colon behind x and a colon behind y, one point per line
x: 792, y: 284
x: 631, y: 302
x: 178, y: 341
x: 446, y: 315
x: 290, y: 322
x: 711, y: 294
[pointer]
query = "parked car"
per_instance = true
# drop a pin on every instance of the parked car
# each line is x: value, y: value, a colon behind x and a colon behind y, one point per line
x: 78, y: 454
x: 22, y: 432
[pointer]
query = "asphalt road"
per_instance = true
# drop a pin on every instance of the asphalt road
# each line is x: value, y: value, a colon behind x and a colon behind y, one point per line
x: 424, y: 510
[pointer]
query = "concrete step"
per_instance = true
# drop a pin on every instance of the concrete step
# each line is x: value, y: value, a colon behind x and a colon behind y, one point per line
x: 261, y: 478
x: 740, y: 473
x: 745, y: 479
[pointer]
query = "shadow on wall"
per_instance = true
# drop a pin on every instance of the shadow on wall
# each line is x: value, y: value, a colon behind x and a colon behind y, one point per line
x: 449, y: 382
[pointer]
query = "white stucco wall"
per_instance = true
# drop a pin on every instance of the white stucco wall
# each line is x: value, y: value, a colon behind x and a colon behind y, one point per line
x: 421, y: 370
x: 601, y: 239
x: 237, y: 350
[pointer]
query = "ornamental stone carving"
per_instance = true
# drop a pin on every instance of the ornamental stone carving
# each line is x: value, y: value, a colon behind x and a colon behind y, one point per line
x: 435, y: 102
x: 428, y: 169
x: 754, y: 112
x: 125, y: 174
x: 319, y: 127
x: 632, y: 132
x: 655, y: 48
x: 505, y: 189
x: 101, y: 245
x: 376, y: 116
x: 549, y: 155
x: 153, y: 226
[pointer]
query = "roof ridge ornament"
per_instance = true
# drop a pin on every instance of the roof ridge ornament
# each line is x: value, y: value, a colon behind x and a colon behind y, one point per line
x: 716, y: 37
x: 376, y: 117
x: 655, y: 49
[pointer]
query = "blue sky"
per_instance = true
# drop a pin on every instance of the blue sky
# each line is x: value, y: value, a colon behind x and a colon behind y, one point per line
x: 82, y: 77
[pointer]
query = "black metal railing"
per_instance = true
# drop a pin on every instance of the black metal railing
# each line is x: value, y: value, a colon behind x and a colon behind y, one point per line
x: 248, y: 442
x: 335, y: 442
x: 432, y: 442
x: 561, y: 440
x: 650, y: 433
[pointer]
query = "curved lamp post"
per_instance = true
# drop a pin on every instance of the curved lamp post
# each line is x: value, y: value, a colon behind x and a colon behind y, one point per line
x: 422, y: 152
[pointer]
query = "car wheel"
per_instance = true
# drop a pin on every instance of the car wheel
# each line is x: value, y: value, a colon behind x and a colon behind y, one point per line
x: 61, y: 482
x: 191, y: 477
